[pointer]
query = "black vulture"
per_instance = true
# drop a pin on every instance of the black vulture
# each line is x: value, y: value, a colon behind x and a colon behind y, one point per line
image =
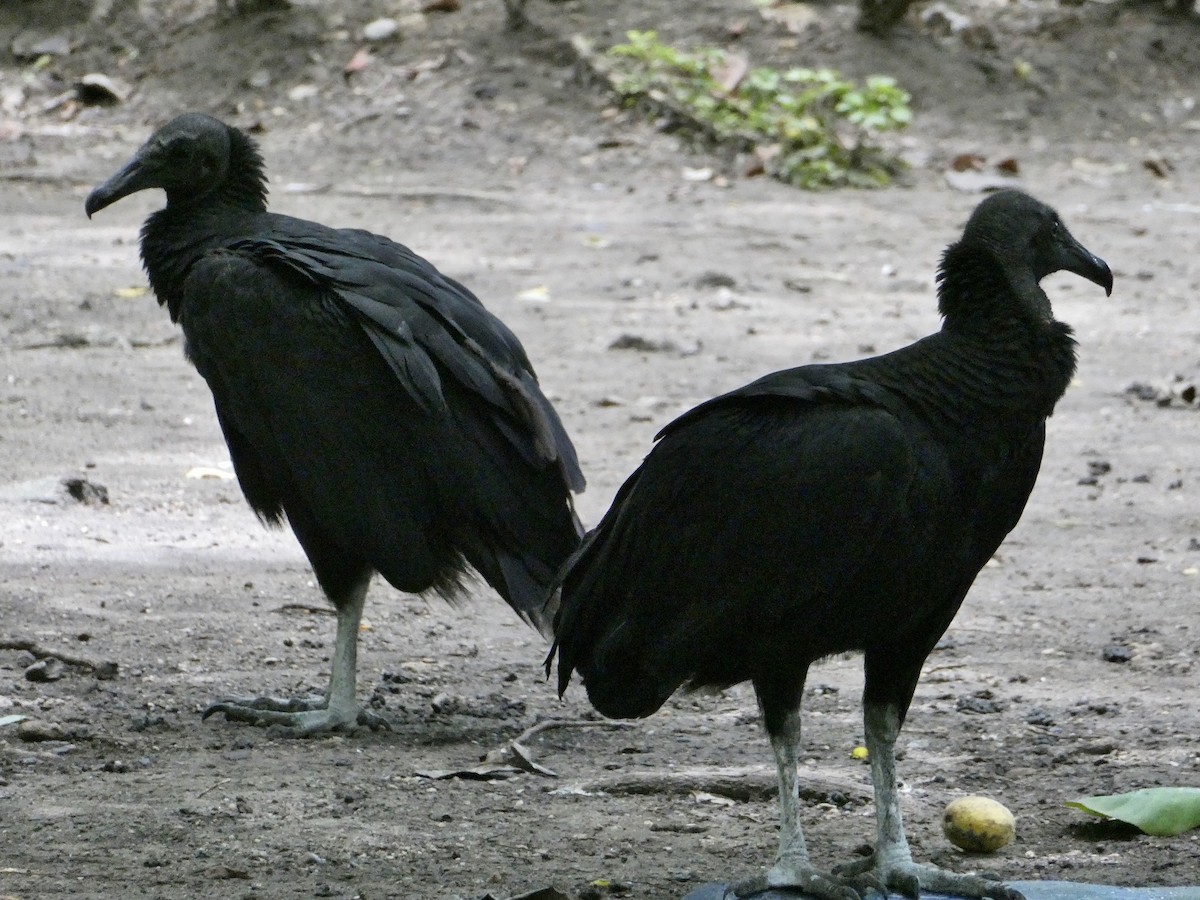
x: 828, y: 509
x: 369, y: 399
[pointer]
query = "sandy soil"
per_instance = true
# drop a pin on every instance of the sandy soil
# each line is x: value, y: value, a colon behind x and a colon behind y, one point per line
x: 1071, y: 671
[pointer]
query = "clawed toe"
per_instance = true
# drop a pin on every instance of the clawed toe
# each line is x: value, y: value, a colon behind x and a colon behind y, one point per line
x: 374, y: 721
x: 234, y: 707
x: 864, y: 883
x: 911, y: 879
x: 860, y: 875
x: 806, y: 881
x: 295, y: 717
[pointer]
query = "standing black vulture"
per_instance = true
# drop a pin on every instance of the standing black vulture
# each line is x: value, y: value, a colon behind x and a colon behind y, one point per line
x: 834, y: 508
x: 374, y: 402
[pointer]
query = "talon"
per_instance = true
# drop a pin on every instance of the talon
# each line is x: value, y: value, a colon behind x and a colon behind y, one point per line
x: 867, y: 881
x: 858, y: 867
x: 907, y: 884
x: 373, y: 721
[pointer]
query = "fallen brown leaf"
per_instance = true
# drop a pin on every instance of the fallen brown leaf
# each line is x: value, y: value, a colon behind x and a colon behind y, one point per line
x: 965, y: 162
x: 730, y: 73
x: 1009, y: 166
x: 1158, y: 166
x: 359, y: 61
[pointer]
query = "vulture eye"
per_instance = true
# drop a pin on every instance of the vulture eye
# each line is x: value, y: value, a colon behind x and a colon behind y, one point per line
x: 177, y: 152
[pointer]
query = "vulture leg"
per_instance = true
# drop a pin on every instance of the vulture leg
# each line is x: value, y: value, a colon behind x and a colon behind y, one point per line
x: 792, y: 868
x: 892, y: 862
x: 339, y: 709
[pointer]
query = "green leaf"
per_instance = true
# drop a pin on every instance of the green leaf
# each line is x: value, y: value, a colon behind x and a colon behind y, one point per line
x: 1161, y: 811
x: 803, y: 111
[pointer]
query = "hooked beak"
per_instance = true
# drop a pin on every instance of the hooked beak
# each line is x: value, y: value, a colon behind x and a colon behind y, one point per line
x: 1072, y: 256
x: 135, y: 176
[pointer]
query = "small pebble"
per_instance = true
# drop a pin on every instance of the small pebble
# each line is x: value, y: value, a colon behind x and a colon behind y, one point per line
x: 1040, y: 716
x: 380, y: 30
x: 1117, y: 653
x: 48, y: 669
x: 35, y: 731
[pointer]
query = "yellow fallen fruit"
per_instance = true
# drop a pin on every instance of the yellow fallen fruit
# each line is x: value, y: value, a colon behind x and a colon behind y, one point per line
x: 978, y: 824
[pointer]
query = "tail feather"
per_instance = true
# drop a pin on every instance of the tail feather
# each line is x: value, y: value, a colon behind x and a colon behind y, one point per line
x: 595, y: 633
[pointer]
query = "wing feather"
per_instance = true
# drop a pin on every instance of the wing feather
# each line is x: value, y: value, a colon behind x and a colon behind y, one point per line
x: 427, y: 327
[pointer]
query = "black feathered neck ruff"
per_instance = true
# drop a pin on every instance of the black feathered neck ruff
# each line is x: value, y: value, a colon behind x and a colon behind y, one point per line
x: 1000, y: 347
x: 978, y: 289
x: 245, y: 183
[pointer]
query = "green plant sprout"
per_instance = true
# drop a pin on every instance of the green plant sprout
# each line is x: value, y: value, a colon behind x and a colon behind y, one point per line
x: 812, y: 127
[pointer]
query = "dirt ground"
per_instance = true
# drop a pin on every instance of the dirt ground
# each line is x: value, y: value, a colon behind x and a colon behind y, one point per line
x: 1072, y: 670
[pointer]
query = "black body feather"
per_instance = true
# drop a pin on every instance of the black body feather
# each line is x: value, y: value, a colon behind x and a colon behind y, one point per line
x: 370, y: 400
x: 831, y: 508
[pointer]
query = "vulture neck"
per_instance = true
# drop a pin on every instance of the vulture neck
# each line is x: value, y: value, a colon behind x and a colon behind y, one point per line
x: 980, y: 291
x: 1001, y: 358
x: 175, y: 237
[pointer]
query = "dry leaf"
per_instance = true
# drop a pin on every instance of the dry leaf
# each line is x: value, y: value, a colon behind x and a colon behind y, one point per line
x: 97, y: 89
x: 1159, y: 166
x: 730, y: 73
x: 359, y: 61
x: 516, y: 754
x: 967, y: 161
x: 482, y: 772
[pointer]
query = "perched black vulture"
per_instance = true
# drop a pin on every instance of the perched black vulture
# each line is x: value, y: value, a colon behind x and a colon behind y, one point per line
x: 834, y: 508
x: 374, y: 402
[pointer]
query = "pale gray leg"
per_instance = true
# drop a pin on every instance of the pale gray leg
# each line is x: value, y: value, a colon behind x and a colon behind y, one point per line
x: 892, y: 863
x: 338, y: 710
x: 792, y: 868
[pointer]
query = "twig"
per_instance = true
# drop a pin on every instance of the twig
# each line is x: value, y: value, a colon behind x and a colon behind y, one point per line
x: 945, y: 667
x: 515, y: 753
x: 71, y: 660
x: 212, y: 787
x: 568, y: 723
x: 304, y: 607
x: 737, y: 784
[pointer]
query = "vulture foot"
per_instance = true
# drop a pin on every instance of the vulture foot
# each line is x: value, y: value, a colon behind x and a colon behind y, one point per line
x: 912, y: 879
x: 800, y: 876
x: 300, y: 716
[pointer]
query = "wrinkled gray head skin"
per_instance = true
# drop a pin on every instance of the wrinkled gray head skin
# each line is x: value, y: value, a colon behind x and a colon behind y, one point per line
x: 188, y: 158
x: 1020, y: 229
